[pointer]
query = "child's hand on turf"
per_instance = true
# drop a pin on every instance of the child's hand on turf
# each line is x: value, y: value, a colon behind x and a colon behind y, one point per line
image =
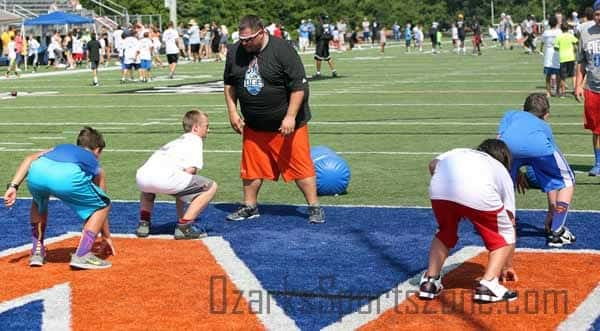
x: 10, y: 197
x: 509, y: 275
x: 522, y: 184
x: 107, y: 247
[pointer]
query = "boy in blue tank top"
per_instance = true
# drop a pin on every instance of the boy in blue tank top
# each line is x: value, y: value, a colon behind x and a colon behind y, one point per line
x: 72, y: 174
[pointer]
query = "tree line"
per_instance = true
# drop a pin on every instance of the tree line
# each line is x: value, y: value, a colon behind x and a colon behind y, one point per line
x: 289, y: 13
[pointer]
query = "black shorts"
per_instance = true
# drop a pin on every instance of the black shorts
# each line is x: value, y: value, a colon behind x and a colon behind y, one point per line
x: 172, y: 58
x: 567, y: 69
x: 195, y: 48
x: 322, y: 52
x: 94, y: 64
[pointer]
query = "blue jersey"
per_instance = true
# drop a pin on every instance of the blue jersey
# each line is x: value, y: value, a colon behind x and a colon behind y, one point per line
x: 407, y: 34
x: 526, y: 135
x: 304, y: 30
x: 68, y: 153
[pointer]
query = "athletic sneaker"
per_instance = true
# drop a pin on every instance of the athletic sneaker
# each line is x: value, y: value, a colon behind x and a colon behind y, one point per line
x: 89, y: 261
x: 595, y: 171
x: 492, y: 291
x: 143, y: 229
x: 244, y: 213
x: 316, y: 215
x: 37, y: 259
x: 560, y: 238
x: 334, y: 74
x: 430, y: 287
x: 189, y: 231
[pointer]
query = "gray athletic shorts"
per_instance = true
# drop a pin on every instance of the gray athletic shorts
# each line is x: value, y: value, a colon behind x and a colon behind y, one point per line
x: 197, y: 186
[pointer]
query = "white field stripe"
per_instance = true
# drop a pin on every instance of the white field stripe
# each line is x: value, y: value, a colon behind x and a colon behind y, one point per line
x: 272, y: 316
x: 224, y: 151
x: 27, y: 247
x: 313, y: 104
x: 336, y: 123
x: 400, y: 293
x: 56, y: 302
x: 14, y: 143
x: 584, y: 316
x: 121, y: 107
x: 344, y: 206
x: 46, y: 138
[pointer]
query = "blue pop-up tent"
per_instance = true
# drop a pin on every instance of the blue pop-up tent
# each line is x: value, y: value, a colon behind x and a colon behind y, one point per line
x: 58, y: 17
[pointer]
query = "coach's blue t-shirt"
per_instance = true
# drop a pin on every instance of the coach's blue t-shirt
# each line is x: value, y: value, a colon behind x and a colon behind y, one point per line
x: 70, y: 153
x: 526, y: 135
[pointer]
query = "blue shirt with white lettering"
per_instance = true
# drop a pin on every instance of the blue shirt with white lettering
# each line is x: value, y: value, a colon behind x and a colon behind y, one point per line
x: 526, y: 135
x: 69, y: 153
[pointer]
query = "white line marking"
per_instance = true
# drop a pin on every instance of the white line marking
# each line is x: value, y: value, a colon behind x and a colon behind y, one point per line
x: 399, y: 294
x: 46, y: 138
x: 157, y: 121
x: 585, y: 315
x: 13, y: 143
x: 352, y: 106
x: 271, y: 314
x: 217, y: 151
x: 57, y: 306
x: 333, y: 206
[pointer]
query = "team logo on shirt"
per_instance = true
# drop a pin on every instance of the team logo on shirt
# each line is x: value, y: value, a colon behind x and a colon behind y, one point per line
x: 252, y: 81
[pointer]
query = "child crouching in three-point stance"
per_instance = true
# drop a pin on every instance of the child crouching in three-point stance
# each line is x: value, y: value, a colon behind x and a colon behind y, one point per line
x: 73, y: 175
x: 172, y: 170
x: 473, y: 184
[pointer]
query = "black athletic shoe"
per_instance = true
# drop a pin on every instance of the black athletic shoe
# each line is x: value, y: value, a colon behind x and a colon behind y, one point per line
x: 430, y: 287
x: 492, y: 291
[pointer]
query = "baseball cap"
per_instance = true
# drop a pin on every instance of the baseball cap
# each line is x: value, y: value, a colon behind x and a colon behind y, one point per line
x: 596, y: 5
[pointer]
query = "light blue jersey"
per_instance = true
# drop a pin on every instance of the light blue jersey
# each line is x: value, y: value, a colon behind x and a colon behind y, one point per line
x: 531, y: 143
x: 67, y: 172
x: 526, y: 135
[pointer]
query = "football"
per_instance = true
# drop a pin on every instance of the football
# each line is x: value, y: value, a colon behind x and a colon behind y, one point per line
x: 13, y: 93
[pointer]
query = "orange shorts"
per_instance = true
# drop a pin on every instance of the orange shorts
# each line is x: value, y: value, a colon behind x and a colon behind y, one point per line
x: 266, y: 155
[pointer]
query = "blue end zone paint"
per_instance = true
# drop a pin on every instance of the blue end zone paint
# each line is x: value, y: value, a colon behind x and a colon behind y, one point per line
x: 26, y: 317
x: 317, y: 273
x: 596, y: 325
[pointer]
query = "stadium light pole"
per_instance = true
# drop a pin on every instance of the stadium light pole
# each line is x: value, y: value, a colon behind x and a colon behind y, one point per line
x: 492, y: 7
x: 172, y: 5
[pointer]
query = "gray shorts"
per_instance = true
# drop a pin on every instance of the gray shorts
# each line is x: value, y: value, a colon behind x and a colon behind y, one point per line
x: 197, y: 186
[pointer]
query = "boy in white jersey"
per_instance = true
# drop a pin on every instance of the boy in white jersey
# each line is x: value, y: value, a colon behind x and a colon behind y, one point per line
x: 146, y: 48
x: 473, y: 184
x: 172, y: 170
x: 131, y: 53
x: 171, y: 40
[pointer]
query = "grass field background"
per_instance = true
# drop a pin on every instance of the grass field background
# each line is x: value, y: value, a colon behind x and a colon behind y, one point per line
x: 387, y: 114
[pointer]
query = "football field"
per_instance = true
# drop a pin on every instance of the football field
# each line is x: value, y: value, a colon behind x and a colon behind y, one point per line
x: 387, y: 114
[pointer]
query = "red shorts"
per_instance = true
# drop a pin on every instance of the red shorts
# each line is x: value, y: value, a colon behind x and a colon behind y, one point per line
x: 77, y: 56
x: 592, y: 111
x: 266, y: 155
x: 495, y: 227
x: 476, y: 40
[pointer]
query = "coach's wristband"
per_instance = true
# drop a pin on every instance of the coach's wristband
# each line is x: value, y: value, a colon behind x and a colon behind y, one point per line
x: 13, y: 185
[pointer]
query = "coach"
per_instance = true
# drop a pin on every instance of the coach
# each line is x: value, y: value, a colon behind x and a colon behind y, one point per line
x: 266, y: 75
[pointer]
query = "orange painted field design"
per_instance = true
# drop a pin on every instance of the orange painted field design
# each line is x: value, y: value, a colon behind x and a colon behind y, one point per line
x: 154, y: 284
x: 551, y: 286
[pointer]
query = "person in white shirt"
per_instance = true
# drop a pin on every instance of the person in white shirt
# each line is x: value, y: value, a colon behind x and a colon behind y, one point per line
x: 12, y: 58
x: 476, y: 185
x: 146, y: 48
x: 117, y: 37
x: 131, y: 53
x: 171, y: 40
x: 156, y: 45
x: 551, y: 56
x: 172, y: 170
x: 33, y: 49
